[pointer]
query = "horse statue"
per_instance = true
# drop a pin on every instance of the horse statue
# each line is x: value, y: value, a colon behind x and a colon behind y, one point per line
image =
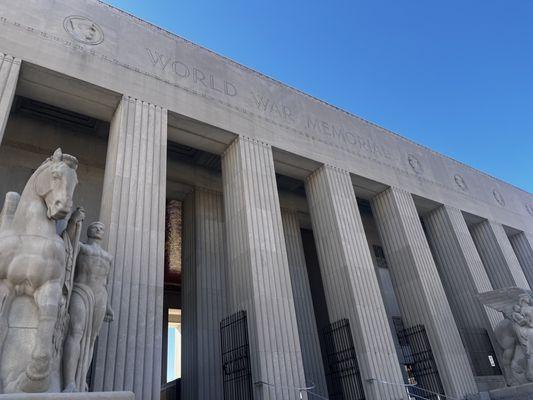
x: 33, y: 260
x: 514, y: 333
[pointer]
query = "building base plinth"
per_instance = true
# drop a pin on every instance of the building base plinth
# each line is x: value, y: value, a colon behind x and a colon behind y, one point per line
x: 522, y: 392
x: 70, y: 396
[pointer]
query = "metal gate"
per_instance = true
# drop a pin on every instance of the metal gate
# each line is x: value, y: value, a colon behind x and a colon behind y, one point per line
x: 236, y: 370
x: 419, y: 362
x: 343, y: 373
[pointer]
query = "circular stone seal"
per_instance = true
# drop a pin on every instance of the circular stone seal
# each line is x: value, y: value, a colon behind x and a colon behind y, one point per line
x: 498, y: 197
x: 83, y: 30
x: 460, y: 181
x: 414, y: 163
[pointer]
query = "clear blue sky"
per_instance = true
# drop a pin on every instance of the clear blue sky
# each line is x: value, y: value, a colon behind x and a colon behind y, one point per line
x: 455, y: 75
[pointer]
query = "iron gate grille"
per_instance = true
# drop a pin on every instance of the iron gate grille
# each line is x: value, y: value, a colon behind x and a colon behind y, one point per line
x: 481, y: 352
x: 342, y: 368
x: 419, y: 362
x: 237, y: 374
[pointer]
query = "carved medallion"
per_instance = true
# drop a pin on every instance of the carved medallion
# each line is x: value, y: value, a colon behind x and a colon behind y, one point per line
x: 83, y: 30
x: 498, y: 197
x: 415, y: 164
x: 529, y: 208
x: 459, y: 180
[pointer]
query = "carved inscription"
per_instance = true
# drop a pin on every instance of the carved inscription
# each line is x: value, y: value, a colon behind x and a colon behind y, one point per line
x: 276, y: 110
x: 346, y: 137
x: 189, y: 72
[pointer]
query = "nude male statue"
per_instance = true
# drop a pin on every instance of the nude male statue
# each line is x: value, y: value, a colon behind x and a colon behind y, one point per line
x: 88, y: 308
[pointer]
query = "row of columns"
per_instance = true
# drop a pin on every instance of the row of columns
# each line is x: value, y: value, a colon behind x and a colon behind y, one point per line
x: 244, y: 252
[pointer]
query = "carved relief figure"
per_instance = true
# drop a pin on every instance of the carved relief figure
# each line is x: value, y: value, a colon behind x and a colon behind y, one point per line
x: 515, y: 333
x: 88, y: 308
x: 32, y: 264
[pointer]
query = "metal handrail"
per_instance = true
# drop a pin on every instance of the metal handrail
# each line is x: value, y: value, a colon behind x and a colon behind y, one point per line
x: 408, y: 385
x: 300, y: 390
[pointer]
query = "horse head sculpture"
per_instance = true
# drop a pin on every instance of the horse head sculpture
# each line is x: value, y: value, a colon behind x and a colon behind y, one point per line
x: 55, y: 181
x: 33, y: 263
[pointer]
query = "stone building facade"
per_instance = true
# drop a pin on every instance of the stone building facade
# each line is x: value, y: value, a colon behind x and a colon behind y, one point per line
x: 340, y: 255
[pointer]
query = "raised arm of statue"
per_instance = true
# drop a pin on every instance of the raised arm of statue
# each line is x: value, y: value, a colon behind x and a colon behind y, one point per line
x: 74, y: 222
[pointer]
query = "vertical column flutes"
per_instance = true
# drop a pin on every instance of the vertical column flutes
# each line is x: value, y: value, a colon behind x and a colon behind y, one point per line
x: 9, y: 73
x: 523, y: 247
x: 418, y: 287
x: 461, y: 271
x: 303, y: 303
x: 258, y: 270
x: 203, y: 294
x: 128, y: 356
x: 498, y: 256
x: 350, y: 283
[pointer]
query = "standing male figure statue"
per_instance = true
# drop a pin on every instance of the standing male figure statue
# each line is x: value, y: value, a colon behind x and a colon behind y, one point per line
x: 88, y: 308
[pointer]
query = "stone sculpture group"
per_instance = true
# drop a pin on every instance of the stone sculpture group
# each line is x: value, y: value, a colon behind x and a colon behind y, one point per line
x: 53, y: 296
x: 514, y: 333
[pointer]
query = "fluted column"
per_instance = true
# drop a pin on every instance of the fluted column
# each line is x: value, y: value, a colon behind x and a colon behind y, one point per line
x: 498, y: 256
x: 461, y: 270
x: 303, y: 303
x: 203, y: 295
x: 258, y: 271
x: 128, y: 356
x: 9, y: 73
x: 418, y: 287
x: 523, y: 247
x: 350, y: 283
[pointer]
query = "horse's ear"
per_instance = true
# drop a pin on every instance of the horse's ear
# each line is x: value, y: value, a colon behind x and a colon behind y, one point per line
x: 58, y: 155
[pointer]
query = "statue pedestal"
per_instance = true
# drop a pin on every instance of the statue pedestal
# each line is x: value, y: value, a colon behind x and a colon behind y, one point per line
x: 70, y: 396
x: 522, y: 392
